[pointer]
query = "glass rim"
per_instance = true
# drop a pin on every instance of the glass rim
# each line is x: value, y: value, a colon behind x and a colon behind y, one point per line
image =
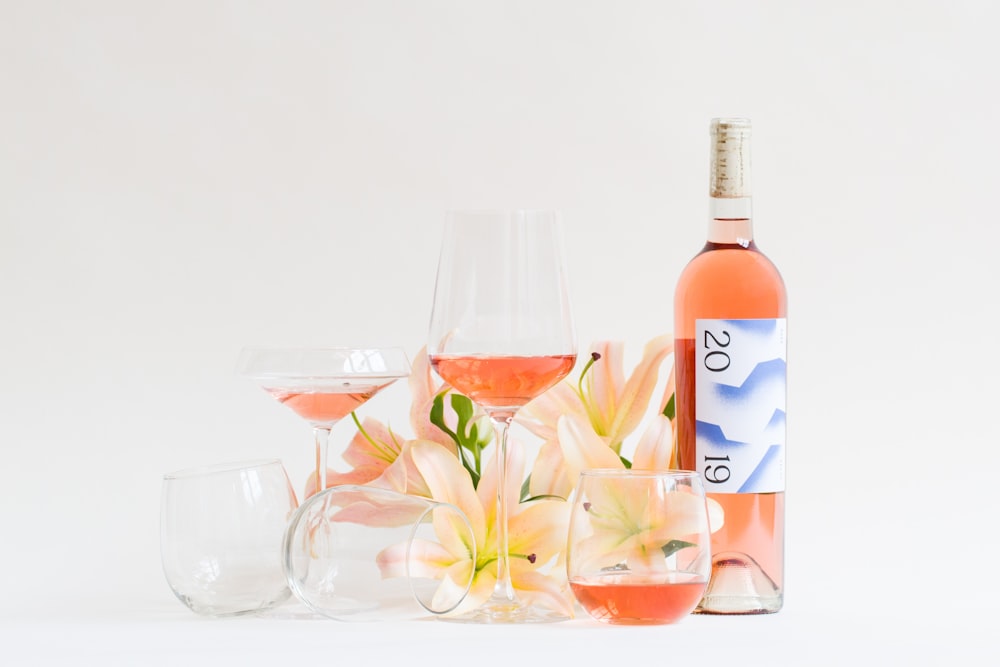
x: 499, y: 210
x: 218, y: 468
x: 346, y: 350
x: 671, y: 473
x: 471, y: 216
x: 398, y: 362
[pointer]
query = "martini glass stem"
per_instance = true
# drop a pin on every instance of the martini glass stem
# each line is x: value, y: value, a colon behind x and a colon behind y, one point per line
x: 321, y: 434
x: 503, y: 592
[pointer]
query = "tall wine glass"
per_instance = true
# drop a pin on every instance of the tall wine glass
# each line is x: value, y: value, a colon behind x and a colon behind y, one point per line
x: 501, y: 333
x: 323, y: 385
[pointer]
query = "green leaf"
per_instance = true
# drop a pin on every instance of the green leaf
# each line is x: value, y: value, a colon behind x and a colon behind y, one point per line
x: 625, y: 462
x: 464, y: 409
x: 525, y: 488
x: 543, y: 496
x: 437, y: 416
x: 674, y: 546
x: 670, y: 409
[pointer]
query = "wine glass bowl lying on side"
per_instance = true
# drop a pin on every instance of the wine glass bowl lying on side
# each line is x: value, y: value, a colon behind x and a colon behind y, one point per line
x: 356, y: 553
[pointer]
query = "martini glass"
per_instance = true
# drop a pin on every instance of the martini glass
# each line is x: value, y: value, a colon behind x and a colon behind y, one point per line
x: 501, y: 333
x: 323, y: 385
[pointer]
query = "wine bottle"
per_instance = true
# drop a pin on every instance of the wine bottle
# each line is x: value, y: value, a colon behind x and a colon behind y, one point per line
x: 730, y: 347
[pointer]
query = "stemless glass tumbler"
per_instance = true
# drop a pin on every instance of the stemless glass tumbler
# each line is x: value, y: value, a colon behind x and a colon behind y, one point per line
x: 357, y: 553
x: 221, y: 531
x: 639, y: 546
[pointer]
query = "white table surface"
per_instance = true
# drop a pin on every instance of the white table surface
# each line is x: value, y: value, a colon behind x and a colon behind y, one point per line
x: 164, y: 632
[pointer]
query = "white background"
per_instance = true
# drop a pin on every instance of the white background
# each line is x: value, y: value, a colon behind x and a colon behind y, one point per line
x: 181, y: 179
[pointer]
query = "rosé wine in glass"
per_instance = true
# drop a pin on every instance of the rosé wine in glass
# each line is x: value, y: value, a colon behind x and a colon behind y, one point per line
x: 499, y: 382
x: 626, y: 600
x: 323, y: 385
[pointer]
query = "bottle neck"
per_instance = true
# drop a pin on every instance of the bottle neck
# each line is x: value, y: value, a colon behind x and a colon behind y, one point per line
x: 729, y: 183
x: 730, y: 221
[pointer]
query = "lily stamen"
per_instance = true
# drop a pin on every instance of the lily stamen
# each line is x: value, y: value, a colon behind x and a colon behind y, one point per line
x: 382, y: 449
x: 594, y: 356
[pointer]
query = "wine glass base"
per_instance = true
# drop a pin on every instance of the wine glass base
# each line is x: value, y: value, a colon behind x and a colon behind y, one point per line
x: 507, y: 613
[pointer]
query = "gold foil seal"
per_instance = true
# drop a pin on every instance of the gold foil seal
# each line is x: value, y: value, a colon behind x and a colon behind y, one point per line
x: 730, y: 158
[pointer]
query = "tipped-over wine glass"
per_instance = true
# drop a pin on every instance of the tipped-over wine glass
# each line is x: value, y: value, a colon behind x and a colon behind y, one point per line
x: 501, y: 333
x: 323, y: 385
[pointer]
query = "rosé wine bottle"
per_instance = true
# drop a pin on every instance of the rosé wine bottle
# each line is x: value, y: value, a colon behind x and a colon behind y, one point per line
x: 729, y: 325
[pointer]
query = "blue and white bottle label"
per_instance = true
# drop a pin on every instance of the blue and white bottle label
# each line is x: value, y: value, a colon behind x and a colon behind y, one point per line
x: 740, y: 405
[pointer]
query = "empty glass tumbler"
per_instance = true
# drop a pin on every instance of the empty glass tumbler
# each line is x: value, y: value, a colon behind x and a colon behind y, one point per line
x: 221, y: 531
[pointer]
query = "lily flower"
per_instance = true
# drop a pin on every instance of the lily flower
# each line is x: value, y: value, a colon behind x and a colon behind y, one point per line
x: 635, y: 525
x: 607, y: 404
x: 583, y: 450
x: 375, y: 446
x: 537, y: 533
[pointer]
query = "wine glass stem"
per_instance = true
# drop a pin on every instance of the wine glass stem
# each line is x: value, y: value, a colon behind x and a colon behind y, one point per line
x: 504, y: 589
x: 321, y: 434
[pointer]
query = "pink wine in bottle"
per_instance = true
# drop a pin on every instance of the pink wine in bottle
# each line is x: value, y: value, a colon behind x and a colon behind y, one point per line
x: 729, y: 324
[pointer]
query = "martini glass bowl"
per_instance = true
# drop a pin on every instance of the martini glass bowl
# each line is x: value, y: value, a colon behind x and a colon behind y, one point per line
x: 323, y: 385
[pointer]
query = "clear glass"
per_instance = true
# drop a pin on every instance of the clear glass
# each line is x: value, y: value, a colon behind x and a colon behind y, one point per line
x: 639, y: 545
x: 501, y: 333
x: 323, y: 385
x: 221, y: 531
x: 359, y: 553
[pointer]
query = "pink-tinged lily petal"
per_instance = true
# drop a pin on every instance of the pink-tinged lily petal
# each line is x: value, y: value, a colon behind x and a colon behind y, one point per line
x: 548, y: 474
x: 453, y: 586
x: 487, y: 488
x: 423, y: 389
x: 548, y: 591
x: 538, y: 530
x: 428, y: 559
x: 541, y: 415
x: 403, y: 475
x: 656, y: 446
x: 639, y: 388
x: 333, y: 478
x: 480, y: 591
x: 716, y: 515
x: 449, y: 482
x: 669, y: 390
x: 368, y: 457
x: 364, y: 452
x: 604, y: 384
x: 368, y: 509
x: 454, y: 531
x: 630, y: 523
x: 583, y: 449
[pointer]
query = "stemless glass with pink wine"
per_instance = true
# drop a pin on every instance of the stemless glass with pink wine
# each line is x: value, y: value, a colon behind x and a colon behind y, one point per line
x: 501, y: 333
x: 323, y: 385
